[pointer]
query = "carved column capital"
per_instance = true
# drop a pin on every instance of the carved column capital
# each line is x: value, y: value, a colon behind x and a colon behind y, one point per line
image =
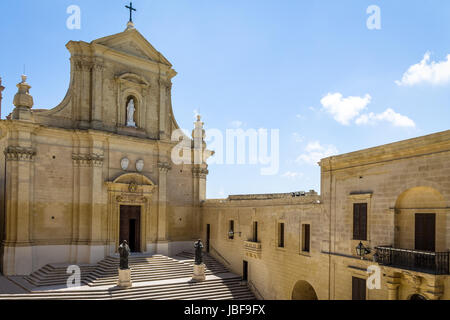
x: 164, y: 167
x: 81, y: 64
x: 13, y: 153
x: 199, y: 172
x: 88, y: 160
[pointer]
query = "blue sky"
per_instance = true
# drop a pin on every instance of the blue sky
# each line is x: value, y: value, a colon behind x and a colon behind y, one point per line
x: 311, y: 69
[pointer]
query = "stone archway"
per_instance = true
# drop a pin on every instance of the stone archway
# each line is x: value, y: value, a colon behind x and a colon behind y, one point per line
x: 303, y: 291
x: 132, y: 191
x: 417, y: 297
x: 421, y: 218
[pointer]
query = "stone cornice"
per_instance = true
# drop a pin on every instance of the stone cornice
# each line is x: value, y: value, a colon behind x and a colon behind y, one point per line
x: 421, y: 146
x: 87, y: 160
x: 13, y: 153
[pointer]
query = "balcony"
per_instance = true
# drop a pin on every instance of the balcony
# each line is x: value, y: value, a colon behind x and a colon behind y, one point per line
x: 252, y: 249
x: 421, y: 261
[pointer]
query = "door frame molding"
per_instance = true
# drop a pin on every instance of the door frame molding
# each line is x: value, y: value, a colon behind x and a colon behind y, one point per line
x: 130, y: 189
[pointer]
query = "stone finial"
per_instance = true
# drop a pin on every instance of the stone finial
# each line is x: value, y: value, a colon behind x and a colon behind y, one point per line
x: 130, y: 25
x: 23, y: 97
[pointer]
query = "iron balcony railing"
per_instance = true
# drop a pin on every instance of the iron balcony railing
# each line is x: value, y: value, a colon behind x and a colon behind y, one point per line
x: 420, y: 261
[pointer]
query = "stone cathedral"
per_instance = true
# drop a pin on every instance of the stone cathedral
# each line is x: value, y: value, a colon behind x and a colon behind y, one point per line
x: 96, y: 169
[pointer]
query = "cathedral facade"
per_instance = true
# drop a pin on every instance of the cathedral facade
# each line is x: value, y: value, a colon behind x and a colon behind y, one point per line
x: 97, y: 168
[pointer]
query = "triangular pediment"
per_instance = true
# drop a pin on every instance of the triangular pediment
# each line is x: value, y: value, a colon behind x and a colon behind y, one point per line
x: 131, y: 42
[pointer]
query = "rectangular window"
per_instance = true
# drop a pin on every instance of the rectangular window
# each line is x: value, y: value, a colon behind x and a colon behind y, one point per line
x: 358, y: 289
x: 360, y: 221
x: 306, y: 237
x: 255, y: 231
x: 281, y: 235
x: 231, y: 230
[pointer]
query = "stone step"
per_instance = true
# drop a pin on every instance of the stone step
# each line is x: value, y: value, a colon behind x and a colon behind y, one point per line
x: 100, y: 280
x: 211, y: 289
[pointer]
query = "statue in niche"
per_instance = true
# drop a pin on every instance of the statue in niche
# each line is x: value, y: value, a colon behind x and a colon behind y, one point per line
x: 130, y: 114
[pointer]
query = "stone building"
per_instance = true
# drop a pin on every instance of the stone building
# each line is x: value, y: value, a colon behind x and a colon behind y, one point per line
x: 393, y: 199
x: 97, y: 168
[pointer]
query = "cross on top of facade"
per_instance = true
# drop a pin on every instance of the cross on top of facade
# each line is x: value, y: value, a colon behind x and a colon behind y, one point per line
x: 130, y: 7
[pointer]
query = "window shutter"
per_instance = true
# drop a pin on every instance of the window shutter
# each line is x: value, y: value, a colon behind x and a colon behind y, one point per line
x: 360, y: 221
x: 363, y: 221
x: 355, y: 221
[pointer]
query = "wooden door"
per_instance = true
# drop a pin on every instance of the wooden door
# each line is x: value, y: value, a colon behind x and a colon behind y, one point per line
x: 425, y: 232
x: 244, y: 271
x: 130, y: 227
x: 358, y: 289
x: 208, y: 236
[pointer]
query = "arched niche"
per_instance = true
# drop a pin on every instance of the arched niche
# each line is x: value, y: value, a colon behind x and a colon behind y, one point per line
x: 421, y: 197
x: 420, y: 200
x: 303, y: 290
x: 130, y: 85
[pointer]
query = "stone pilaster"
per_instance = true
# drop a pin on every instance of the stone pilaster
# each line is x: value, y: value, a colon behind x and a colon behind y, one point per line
x: 393, y: 283
x: 97, y: 201
x: 19, y: 171
x: 164, y: 168
x: 82, y: 67
x: 97, y: 94
x: 89, y: 171
x: 163, y: 94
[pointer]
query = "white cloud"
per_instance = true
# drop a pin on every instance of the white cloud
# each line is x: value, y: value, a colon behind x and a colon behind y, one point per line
x: 435, y: 73
x: 389, y: 115
x: 344, y: 109
x: 314, y: 151
x: 292, y: 175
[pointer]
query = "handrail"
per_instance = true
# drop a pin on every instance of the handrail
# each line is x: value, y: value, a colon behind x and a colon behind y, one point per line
x: 255, y: 290
x: 408, y: 250
x: 218, y: 253
x: 415, y: 260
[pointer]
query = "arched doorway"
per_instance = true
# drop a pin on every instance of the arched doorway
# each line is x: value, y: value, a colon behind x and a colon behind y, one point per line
x: 417, y: 297
x: 421, y: 218
x: 303, y: 291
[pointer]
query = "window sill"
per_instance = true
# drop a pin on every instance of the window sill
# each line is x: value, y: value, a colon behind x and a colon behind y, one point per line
x: 305, y: 254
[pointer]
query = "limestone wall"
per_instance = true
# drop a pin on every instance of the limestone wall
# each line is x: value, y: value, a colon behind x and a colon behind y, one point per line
x: 276, y: 271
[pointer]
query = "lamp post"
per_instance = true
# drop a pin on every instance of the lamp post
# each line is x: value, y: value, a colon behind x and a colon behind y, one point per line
x: 361, y: 250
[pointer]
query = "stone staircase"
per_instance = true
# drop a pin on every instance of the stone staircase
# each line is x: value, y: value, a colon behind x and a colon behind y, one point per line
x: 56, y: 274
x: 211, y: 289
x: 150, y: 268
x: 154, y: 277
